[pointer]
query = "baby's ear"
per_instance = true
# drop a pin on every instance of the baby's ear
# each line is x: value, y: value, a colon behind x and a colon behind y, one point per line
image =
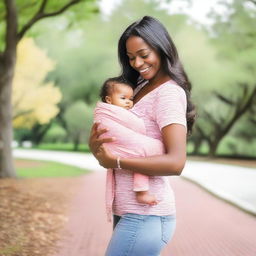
x: 108, y: 100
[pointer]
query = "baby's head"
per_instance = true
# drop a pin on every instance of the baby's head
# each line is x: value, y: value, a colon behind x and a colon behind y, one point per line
x: 118, y: 92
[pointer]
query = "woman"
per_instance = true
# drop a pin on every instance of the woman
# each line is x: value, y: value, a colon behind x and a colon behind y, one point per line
x: 150, y: 61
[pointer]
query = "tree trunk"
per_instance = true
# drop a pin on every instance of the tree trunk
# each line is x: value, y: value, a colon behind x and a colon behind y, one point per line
x: 76, y: 142
x: 197, y: 144
x: 38, y: 132
x: 6, y: 135
x: 215, y: 142
x: 7, y: 65
x: 213, y: 148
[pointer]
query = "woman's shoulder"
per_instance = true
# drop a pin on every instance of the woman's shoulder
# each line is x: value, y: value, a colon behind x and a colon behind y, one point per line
x: 170, y: 88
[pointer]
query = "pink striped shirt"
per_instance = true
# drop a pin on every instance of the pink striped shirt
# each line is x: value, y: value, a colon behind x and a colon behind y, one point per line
x: 162, y: 106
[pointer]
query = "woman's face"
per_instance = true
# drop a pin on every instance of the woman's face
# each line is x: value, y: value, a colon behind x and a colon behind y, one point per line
x: 143, y: 58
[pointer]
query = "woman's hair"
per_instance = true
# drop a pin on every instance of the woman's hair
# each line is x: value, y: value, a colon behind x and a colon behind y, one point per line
x: 108, y: 86
x: 156, y: 36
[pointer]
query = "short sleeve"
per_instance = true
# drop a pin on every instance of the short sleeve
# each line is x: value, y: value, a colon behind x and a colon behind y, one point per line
x: 170, y: 106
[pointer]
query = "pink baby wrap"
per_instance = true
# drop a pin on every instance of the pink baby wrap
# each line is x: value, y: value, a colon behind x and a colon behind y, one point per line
x: 131, y: 141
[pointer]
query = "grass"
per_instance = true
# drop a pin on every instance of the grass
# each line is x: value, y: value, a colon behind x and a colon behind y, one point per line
x: 62, y: 147
x: 35, y: 169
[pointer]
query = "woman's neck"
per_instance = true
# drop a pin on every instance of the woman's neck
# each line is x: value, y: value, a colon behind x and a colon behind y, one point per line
x: 158, y: 80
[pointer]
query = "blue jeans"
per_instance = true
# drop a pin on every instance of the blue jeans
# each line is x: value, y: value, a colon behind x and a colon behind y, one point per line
x: 141, y: 235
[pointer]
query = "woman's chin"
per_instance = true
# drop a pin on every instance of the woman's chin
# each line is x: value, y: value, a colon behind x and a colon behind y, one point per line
x: 147, y: 76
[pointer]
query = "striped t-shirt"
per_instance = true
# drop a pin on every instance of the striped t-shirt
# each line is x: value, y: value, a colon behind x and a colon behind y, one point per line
x: 164, y: 105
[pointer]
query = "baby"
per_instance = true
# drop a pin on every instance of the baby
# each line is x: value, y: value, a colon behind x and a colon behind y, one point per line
x: 118, y: 92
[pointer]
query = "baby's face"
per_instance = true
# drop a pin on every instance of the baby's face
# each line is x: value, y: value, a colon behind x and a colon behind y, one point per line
x: 121, y: 96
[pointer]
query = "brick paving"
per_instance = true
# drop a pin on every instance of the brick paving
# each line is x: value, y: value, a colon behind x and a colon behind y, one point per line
x: 206, y: 225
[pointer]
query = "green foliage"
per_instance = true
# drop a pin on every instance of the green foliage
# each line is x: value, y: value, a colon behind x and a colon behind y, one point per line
x: 79, y: 118
x: 55, y: 134
x: 86, y: 54
x: 2, y: 25
x: 241, y: 139
x: 235, y: 37
x: 62, y: 147
x: 222, y: 71
x: 22, y: 134
x: 84, y: 61
x: 236, y: 146
x: 26, y: 10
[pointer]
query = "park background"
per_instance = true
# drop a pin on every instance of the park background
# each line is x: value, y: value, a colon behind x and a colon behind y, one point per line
x: 62, y: 60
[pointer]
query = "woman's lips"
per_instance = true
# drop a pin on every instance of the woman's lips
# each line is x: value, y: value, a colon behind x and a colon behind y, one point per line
x: 144, y: 70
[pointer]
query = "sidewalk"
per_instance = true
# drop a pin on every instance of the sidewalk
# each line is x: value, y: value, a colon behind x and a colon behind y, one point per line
x: 234, y: 184
x: 81, y: 160
x: 206, y: 226
x: 231, y: 183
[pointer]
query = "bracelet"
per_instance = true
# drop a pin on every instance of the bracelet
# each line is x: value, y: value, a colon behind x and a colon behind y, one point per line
x: 118, y: 163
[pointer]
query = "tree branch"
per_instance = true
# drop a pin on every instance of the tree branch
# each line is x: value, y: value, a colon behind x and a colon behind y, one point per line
x: 22, y: 113
x: 243, y: 101
x: 253, y: 1
x: 203, y: 134
x: 11, y: 29
x: 224, y: 99
x: 211, y: 118
x: 41, y: 15
x: 241, y: 110
x: 42, y: 7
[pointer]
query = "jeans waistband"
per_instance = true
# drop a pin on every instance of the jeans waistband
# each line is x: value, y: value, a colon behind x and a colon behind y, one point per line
x: 140, y: 216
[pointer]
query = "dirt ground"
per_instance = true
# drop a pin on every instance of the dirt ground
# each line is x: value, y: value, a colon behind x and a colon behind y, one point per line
x: 34, y: 211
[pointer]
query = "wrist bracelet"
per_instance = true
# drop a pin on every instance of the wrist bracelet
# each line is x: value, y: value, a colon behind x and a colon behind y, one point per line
x: 118, y: 163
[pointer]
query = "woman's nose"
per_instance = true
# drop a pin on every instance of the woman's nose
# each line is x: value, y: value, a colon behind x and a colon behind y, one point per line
x: 138, y: 62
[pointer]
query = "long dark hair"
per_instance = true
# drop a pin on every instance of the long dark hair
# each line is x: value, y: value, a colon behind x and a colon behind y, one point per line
x: 155, y: 35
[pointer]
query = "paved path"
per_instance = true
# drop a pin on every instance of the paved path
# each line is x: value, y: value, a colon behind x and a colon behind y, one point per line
x: 81, y: 160
x: 206, y: 226
x: 232, y: 183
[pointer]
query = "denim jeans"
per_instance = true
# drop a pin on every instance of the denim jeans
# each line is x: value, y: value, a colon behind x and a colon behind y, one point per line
x: 141, y: 235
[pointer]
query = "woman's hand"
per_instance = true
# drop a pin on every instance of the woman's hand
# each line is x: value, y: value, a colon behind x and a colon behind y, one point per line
x: 105, y: 158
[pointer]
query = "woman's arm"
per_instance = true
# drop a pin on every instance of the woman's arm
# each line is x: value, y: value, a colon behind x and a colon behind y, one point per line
x: 171, y: 163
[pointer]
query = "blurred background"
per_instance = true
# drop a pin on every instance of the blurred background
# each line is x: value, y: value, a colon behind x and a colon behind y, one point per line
x: 63, y: 61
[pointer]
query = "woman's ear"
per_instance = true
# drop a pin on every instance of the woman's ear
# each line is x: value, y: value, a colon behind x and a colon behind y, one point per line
x: 108, y: 100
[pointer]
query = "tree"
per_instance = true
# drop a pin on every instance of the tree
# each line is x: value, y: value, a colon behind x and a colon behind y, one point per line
x: 78, y: 118
x: 221, y: 67
x: 235, y: 38
x: 199, y: 53
x: 244, y: 131
x: 34, y: 101
x: 56, y: 134
x: 15, y: 16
